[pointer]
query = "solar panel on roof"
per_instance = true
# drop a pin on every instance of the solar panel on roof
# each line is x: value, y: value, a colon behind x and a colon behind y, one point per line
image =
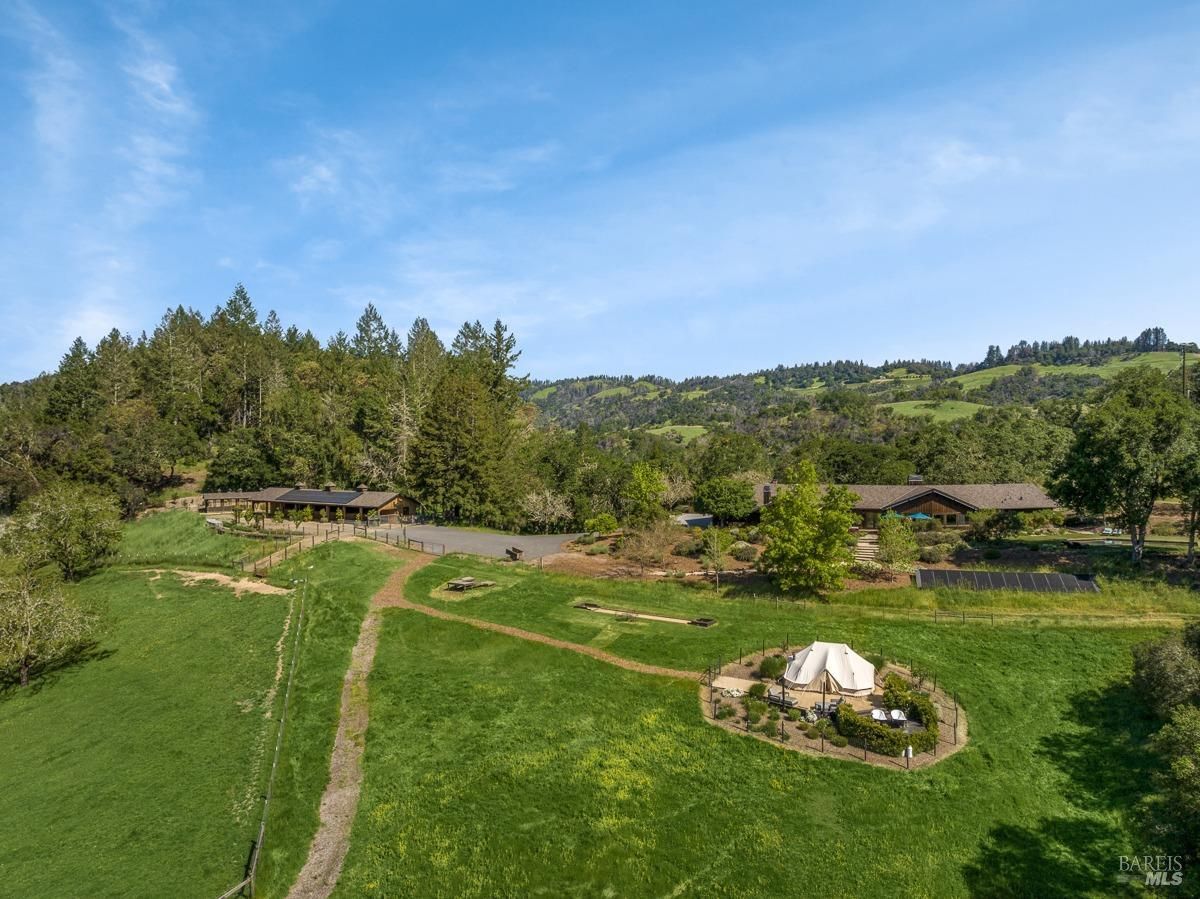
x: 1028, y: 581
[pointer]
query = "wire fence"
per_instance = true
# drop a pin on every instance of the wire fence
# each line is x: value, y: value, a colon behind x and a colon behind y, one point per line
x: 951, y: 723
x: 391, y: 538
x: 246, y: 886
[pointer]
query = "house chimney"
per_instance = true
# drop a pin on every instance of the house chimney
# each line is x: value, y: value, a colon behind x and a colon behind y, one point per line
x: 916, y: 479
x: 361, y: 488
x: 328, y: 486
x: 300, y: 485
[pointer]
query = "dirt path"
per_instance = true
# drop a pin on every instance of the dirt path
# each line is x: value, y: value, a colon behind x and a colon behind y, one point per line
x: 339, y: 803
x: 395, y: 599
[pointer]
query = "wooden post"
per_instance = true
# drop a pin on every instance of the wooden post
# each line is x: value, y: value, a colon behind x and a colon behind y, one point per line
x: 956, y: 718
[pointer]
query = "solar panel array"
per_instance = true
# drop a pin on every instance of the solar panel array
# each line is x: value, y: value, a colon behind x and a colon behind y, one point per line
x: 1029, y: 581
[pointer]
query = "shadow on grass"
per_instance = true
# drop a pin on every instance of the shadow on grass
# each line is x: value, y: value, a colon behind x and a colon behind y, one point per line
x: 1106, y: 754
x: 47, y: 674
x: 1059, y: 858
x: 1102, y: 750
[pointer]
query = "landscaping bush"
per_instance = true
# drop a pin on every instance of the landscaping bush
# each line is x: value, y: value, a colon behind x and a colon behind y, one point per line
x: 772, y: 714
x: 604, y: 523
x: 744, y: 552
x: 794, y: 715
x: 600, y: 549
x: 755, y: 709
x: 932, y: 538
x: 934, y: 554
x: 689, y: 548
x: 897, y: 692
x: 868, y: 570
x: 758, y: 691
x: 585, y: 540
x: 754, y: 535
x: 725, y: 711
x: 771, y: 668
x: 991, y: 554
x: 812, y: 733
x: 839, y: 740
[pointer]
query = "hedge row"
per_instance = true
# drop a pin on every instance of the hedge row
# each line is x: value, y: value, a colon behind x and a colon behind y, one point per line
x: 879, y: 737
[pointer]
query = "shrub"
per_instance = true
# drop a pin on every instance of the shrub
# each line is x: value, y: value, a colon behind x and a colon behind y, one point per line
x: 726, y: 711
x: 839, y: 740
x: 585, y: 540
x: 754, y: 535
x: 771, y: 667
x: 755, y: 709
x: 690, y: 547
x: 991, y: 554
x: 868, y: 570
x: 758, y: 691
x: 933, y: 554
x: 744, y: 552
x: 600, y: 549
x: 897, y: 692
x: 772, y: 714
x: 794, y: 715
x: 812, y: 733
x: 604, y: 523
x: 1166, y: 673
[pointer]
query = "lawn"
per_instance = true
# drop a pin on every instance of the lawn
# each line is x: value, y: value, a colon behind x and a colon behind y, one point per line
x: 495, y: 766
x: 137, y: 772
x: 181, y: 538
x: 938, y: 410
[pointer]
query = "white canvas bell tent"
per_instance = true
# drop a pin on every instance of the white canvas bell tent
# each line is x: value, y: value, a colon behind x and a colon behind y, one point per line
x: 830, y: 668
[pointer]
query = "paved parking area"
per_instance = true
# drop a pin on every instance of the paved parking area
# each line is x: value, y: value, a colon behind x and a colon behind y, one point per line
x: 481, y: 543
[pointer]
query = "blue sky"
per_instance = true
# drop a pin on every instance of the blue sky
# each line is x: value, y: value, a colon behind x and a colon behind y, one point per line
x: 669, y: 188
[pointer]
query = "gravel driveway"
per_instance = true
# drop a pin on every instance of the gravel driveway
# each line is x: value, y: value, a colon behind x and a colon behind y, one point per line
x: 481, y: 543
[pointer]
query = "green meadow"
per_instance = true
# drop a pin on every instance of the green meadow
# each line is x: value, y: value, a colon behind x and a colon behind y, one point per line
x: 497, y: 766
x: 938, y: 410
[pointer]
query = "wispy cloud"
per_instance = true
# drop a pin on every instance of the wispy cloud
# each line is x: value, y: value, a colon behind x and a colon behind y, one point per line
x: 56, y: 86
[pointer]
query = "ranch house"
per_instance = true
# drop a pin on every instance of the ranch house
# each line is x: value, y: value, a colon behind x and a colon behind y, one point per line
x: 947, y: 503
x: 357, y: 503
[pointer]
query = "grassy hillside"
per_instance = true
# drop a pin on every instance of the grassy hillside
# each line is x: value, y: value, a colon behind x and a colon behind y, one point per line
x: 1166, y: 362
x: 180, y: 538
x: 942, y: 410
x: 137, y: 773
x: 715, y: 401
x: 495, y: 765
x: 686, y: 433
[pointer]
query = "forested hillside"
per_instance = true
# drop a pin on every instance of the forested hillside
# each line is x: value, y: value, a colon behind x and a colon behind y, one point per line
x: 251, y: 402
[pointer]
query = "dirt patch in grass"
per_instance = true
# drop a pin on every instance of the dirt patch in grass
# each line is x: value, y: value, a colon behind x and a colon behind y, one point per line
x: 237, y: 585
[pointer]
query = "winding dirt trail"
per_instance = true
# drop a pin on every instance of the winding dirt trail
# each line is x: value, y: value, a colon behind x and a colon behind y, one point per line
x: 396, y: 600
x: 339, y: 803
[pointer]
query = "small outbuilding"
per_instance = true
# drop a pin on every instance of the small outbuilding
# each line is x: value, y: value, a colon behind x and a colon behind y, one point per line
x: 830, y: 668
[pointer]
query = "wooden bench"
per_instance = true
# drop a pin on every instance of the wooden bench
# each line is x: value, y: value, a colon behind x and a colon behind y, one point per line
x: 515, y: 553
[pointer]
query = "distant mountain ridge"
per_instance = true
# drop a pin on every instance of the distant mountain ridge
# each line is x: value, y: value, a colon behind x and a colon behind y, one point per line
x: 1027, y: 373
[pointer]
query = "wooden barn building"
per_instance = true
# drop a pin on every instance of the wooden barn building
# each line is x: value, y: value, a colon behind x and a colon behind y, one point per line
x: 359, y: 503
x: 947, y: 503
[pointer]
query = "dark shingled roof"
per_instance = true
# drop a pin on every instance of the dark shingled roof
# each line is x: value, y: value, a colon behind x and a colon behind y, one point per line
x: 877, y: 497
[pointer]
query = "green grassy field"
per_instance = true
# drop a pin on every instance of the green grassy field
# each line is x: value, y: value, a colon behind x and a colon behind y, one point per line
x: 341, y: 580
x: 942, y: 410
x: 137, y: 773
x: 687, y: 433
x: 181, y: 538
x: 1165, y: 362
x: 140, y: 771
x: 495, y: 766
